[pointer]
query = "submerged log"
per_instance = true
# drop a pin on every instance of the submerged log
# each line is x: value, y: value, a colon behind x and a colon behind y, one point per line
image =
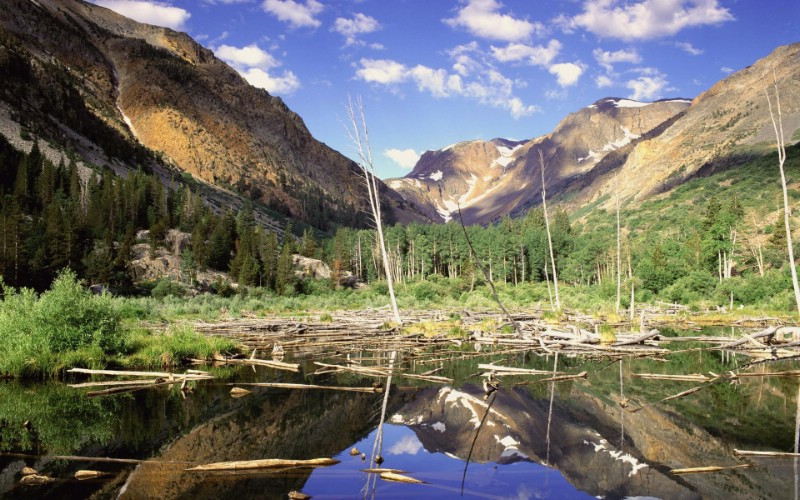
x: 266, y: 463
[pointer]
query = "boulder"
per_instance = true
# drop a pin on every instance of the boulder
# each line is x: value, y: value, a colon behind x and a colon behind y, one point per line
x: 306, y: 267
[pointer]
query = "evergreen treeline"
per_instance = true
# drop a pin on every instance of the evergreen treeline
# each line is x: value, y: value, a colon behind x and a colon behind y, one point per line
x: 51, y: 218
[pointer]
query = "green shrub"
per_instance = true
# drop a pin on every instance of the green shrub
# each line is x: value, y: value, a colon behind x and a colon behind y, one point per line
x: 38, y: 331
x: 167, y: 287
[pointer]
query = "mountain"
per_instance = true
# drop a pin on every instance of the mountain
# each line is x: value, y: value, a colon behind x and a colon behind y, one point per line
x: 614, y: 145
x: 489, y: 179
x: 129, y: 95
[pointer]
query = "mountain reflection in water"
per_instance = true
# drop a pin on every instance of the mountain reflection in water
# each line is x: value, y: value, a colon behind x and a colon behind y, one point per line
x: 584, y: 442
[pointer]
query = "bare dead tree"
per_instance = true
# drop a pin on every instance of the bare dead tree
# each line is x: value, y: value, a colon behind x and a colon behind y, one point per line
x: 360, y: 137
x: 619, y: 259
x: 547, y: 227
x: 781, y: 145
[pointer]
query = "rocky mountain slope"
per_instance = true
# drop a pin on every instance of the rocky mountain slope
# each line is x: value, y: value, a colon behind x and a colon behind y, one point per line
x: 88, y: 79
x: 615, y: 145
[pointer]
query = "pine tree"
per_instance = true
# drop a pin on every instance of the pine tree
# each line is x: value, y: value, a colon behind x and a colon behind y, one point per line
x: 284, y: 275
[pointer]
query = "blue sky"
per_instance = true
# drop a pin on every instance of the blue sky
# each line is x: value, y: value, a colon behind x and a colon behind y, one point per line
x: 435, y: 72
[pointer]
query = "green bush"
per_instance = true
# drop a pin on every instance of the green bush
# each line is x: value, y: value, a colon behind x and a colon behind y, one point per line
x: 166, y: 287
x: 38, y: 330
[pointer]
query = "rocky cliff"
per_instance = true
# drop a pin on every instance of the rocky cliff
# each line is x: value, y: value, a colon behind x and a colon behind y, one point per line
x: 78, y: 73
x: 489, y: 179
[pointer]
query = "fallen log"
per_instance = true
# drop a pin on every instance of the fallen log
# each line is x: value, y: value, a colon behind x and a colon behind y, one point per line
x: 637, y: 339
x: 278, y: 365
x: 400, y: 478
x: 709, y: 468
x: 674, y: 396
x: 697, y: 377
x: 768, y: 332
x: 506, y: 370
x: 428, y: 378
x: 374, y: 372
x: 190, y: 374
x: 238, y: 392
x: 83, y: 475
x: 281, y: 385
x: 266, y: 463
x: 773, y: 454
x: 381, y: 470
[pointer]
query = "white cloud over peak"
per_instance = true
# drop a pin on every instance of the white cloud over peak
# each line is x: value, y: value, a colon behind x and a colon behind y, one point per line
x: 156, y: 13
x: 406, y: 158
x: 254, y: 64
x: 607, y: 59
x: 480, y: 18
x: 649, y: 86
x: 485, y: 85
x: 297, y: 14
x: 539, y: 55
x: 567, y: 73
x: 285, y: 84
x: 647, y: 19
x: 358, y: 25
x: 251, y: 55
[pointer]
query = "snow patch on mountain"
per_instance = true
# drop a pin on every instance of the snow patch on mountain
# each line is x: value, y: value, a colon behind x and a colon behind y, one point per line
x: 627, y: 137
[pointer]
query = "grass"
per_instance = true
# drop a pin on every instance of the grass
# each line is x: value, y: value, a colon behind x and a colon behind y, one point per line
x: 67, y: 326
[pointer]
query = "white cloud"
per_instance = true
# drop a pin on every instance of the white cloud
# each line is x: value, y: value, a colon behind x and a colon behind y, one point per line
x: 648, y: 19
x: 688, y: 48
x: 727, y: 70
x: 406, y: 158
x: 297, y: 14
x: 538, y: 55
x: 567, y: 73
x: 480, y: 18
x: 607, y: 59
x: 647, y: 87
x: 383, y: 71
x: 156, y: 13
x: 603, y: 81
x: 255, y: 65
x: 351, y: 28
x: 285, y: 84
x: 250, y: 56
x: 430, y: 80
x: 486, y: 86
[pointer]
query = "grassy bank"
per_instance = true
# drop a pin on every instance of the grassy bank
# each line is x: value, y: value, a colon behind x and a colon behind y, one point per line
x: 68, y: 326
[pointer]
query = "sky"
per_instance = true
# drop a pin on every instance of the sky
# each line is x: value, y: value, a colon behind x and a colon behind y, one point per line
x: 431, y: 73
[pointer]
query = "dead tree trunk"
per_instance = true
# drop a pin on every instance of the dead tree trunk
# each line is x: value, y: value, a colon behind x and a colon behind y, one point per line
x: 549, y: 238
x: 360, y: 137
x: 778, y: 126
